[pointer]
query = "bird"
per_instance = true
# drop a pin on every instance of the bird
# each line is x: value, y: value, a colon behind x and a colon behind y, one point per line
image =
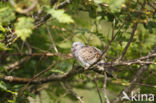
x: 86, y: 55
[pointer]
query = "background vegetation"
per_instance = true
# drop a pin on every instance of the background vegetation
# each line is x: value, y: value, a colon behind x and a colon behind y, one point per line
x: 36, y: 65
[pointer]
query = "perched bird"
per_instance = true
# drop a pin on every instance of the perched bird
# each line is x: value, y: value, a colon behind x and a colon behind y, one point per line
x: 86, y: 55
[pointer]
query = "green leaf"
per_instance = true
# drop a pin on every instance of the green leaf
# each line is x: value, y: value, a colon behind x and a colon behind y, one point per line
x: 60, y: 15
x: 57, y: 71
x: 115, y: 5
x: 3, y: 47
x: 2, y: 28
x: 98, y: 1
x: 11, y: 101
x: 6, y: 15
x: 24, y: 27
x: 3, y: 86
x: 64, y: 44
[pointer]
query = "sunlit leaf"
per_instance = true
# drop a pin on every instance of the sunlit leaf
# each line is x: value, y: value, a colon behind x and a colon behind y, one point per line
x: 61, y: 16
x: 98, y: 1
x: 2, y: 28
x: 65, y: 44
x: 24, y: 27
x: 115, y: 5
x: 6, y: 15
x: 3, y: 47
x: 3, y: 86
x: 57, y: 71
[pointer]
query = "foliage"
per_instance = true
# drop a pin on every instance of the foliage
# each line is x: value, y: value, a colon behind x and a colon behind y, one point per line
x: 60, y: 16
x: 24, y: 27
x: 6, y: 15
x: 37, y: 37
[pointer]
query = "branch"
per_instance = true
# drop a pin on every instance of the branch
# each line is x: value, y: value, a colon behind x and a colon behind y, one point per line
x: 140, y: 84
x: 104, y: 88
x: 24, y: 11
x: 147, y: 57
x: 72, y: 92
x: 17, y: 63
x: 98, y: 90
x: 135, y: 80
x: 42, y: 20
x: 129, y: 42
x: 64, y: 3
x: 151, y: 5
x: 61, y: 77
x: 128, y: 63
x: 37, y: 75
x: 59, y: 98
x: 68, y: 56
x: 53, y: 77
x: 52, y: 41
x: 76, y: 70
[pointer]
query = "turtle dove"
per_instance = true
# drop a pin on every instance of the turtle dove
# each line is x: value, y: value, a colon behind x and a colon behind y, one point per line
x: 86, y: 55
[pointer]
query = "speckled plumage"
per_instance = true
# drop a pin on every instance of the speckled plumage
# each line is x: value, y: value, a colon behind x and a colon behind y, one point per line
x: 86, y: 55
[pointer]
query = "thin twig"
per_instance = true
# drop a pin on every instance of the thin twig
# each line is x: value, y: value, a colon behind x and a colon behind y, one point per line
x: 62, y: 4
x: 60, y: 77
x: 24, y: 11
x: 59, y: 98
x: 104, y: 88
x: 147, y: 57
x: 17, y: 63
x: 120, y: 82
x: 98, y: 90
x: 45, y: 53
x: 128, y: 63
x: 135, y: 80
x: 37, y: 75
x: 52, y: 41
x: 129, y: 42
x: 43, y: 19
x: 67, y: 56
x: 73, y: 92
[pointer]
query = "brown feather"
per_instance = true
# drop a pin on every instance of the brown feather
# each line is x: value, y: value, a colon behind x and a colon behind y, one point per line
x: 89, y: 54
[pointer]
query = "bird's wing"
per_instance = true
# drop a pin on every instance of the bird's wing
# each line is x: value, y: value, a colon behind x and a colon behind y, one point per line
x: 89, y: 54
x: 74, y: 52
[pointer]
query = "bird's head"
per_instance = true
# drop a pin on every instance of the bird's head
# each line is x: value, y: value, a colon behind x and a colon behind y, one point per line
x: 77, y: 45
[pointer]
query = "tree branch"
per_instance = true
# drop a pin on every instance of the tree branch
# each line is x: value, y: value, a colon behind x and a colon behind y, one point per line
x: 68, y: 55
x: 24, y: 11
x: 37, y: 75
x: 63, y: 77
x: 60, y: 77
x: 94, y: 80
x: 17, y: 63
x: 73, y: 92
x: 129, y: 42
x: 135, y: 80
x: 52, y: 41
x: 104, y: 88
